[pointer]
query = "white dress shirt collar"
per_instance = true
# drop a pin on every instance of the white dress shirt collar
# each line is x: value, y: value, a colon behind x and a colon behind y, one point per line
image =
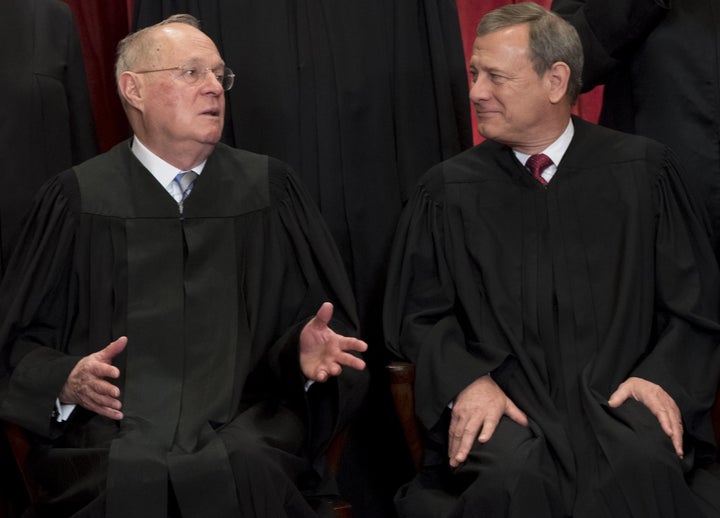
x: 159, y: 168
x: 555, y: 151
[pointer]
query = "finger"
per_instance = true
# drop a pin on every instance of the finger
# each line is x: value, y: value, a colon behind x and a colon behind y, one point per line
x: 619, y: 396
x: 488, y: 429
x: 321, y: 376
x: 100, y: 404
x: 467, y: 439
x: 324, y: 314
x: 677, y: 439
x: 351, y: 361
x: 115, y: 415
x: 673, y: 429
x: 113, y: 349
x: 105, y: 388
x: 334, y: 369
x: 101, y: 400
x: 671, y: 424
x: 353, y: 344
x: 517, y: 415
x: 454, y: 436
x: 110, y: 413
x: 98, y: 392
x: 97, y: 369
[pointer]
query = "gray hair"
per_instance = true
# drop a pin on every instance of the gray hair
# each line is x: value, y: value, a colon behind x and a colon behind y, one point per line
x: 136, y: 47
x: 551, y: 39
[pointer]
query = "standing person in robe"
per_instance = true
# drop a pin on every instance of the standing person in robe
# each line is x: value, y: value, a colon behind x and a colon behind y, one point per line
x: 564, y: 328
x: 659, y: 62
x: 46, y: 124
x: 177, y: 337
x: 47, y: 121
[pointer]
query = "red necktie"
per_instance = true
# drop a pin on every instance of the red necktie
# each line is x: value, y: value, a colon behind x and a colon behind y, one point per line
x: 537, y: 164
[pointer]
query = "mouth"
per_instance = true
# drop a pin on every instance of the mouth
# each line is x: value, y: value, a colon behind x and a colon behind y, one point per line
x: 212, y: 113
x: 481, y: 114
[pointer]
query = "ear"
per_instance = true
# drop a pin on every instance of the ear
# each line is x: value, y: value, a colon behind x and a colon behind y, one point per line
x: 130, y: 87
x: 557, y: 80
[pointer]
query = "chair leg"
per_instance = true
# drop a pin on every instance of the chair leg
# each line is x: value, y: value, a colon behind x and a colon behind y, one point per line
x: 402, y: 386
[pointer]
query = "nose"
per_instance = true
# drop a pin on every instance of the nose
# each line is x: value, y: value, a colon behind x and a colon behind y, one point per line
x: 211, y: 83
x: 479, y: 90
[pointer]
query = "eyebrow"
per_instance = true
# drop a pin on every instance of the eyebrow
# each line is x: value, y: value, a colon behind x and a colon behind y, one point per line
x: 199, y: 63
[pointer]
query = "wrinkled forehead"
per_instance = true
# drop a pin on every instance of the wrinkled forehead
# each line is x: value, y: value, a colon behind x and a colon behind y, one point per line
x: 180, y: 43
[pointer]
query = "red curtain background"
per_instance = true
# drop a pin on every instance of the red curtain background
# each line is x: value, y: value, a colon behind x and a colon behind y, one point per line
x: 102, y: 23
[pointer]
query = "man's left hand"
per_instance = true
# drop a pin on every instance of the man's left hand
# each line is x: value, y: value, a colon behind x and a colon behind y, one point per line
x: 323, y: 352
x: 658, y: 402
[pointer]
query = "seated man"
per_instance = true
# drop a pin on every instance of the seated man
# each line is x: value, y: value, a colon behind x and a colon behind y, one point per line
x: 183, y: 335
x: 563, y: 321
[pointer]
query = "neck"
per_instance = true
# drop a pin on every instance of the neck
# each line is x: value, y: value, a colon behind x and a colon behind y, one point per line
x: 547, y: 134
x: 184, y: 158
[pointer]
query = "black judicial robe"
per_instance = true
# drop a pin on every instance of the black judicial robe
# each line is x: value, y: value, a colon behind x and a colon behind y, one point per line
x: 561, y: 294
x: 47, y: 122
x: 212, y: 303
x: 659, y: 62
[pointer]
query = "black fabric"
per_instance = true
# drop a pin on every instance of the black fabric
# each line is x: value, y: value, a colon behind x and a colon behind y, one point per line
x: 659, y: 62
x: 211, y: 302
x: 561, y: 293
x: 47, y: 123
x: 360, y: 98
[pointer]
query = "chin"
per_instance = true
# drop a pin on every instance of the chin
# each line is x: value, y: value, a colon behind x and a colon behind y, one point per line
x: 487, y: 131
x: 211, y: 137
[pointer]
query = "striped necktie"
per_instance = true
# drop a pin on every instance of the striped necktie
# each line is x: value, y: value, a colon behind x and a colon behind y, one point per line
x: 184, y: 181
x: 537, y: 164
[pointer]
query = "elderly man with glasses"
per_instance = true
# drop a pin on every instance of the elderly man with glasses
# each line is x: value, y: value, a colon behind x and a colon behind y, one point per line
x: 177, y: 327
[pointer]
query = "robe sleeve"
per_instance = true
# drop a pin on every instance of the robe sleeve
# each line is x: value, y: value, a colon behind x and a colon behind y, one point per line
x: 33, y: 367
x: 318, y: 275
x: 685, y: 358
x: 609, y: 31
x: 423, y: 316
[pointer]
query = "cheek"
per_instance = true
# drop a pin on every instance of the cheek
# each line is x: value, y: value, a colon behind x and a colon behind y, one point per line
x: 520, y: 107
x: 168, y: 99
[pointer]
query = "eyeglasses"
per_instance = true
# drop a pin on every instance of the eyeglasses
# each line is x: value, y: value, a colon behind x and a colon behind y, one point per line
x: 192, y: 75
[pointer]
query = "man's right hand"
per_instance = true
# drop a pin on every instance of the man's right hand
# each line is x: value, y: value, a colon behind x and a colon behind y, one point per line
x: 476, y: 413
x: 86, y: 386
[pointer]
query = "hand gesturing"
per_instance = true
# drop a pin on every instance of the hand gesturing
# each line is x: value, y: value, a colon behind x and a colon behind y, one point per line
x: 86, y: 385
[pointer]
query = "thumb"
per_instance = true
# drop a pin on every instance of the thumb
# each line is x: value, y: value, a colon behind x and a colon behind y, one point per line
x: 324, y: 314
x: 113, y: 349
x: 618, y: 397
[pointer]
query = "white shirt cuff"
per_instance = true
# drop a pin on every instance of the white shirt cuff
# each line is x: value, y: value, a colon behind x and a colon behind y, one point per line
x: 62, y: 411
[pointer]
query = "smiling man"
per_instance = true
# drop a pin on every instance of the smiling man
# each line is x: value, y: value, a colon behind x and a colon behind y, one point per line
x: 557, y: 291
x: 176, y: 323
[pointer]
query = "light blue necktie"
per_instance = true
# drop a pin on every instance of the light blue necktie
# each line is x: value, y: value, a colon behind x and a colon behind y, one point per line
x: 184, y: 180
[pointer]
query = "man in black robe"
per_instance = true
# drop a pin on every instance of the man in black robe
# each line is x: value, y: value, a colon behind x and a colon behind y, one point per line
x: 222, y: 382
x: 659, y: 62
x: 47, y: 120
x: 564, y: 328
x: 360, y: 98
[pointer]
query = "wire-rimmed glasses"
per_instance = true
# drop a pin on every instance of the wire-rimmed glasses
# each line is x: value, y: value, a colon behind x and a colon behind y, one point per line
x: 192, y: 75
